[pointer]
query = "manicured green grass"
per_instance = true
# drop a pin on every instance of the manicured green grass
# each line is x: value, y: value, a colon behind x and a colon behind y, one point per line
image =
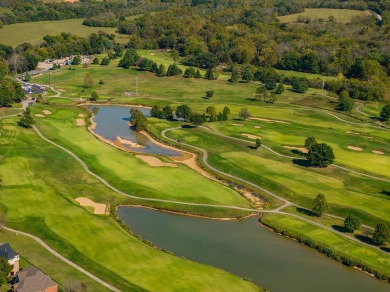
x: 40, y: 183
x: 347, y: 193
x: 304, y: 74
x: 33, y: 32
x: 60, y: 101
x: 35, y: 254
x: 371, y: 257
x: 340, y: 15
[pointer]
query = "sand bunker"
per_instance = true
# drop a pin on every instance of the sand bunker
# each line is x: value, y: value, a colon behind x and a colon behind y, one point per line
x: 257, y: 127
x: 98, y: 208
x: 378, y: 152
x: 81, y: 116
x: 46, y: 112
x: 154, y: 161
x: 352, y: 132
x: 39, y: 115
x: 238, y: 125
x: 269, y: 121
x: 250, y: 136
x: 152, y: 54
x: 354, y: 148
x: 80, y: 122
x: 128, y: 142
x: 302, y: 149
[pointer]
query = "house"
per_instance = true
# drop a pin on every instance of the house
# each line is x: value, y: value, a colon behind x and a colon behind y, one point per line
x: 13, y: 258
x: 33, y: 280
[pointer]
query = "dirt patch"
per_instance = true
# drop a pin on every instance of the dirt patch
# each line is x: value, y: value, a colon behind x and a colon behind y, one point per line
x: 269, y: 121
x: 378, y: 152
x: 46, y: 112
x: 154, y: 161
x: 257, y: 127
x: 250, y: 136
x: 80, y: 122
x: 81, y: 116
x: 238, y: 125
x: 99, y: 209
x: 132, y: 144
x: 39, y: 115
x: 301, y: 149
x: 354, y: 148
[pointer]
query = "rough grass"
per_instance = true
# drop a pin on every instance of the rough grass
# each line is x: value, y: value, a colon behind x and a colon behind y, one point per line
x: 343, y: 246
x: 47, y: 180
x: 340, y: 15
x: 6, y: 111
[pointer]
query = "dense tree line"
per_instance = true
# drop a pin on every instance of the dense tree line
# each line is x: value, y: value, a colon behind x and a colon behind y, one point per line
x: 10, y: 90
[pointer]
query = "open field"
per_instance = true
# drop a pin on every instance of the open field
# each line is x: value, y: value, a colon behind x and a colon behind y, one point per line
x: 46, y: 180
x: 372, y: 258
x: 340, y: 15
x: 33, y: 32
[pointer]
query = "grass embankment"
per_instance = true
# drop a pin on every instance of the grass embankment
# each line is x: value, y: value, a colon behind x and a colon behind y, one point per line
x: 39, y: 185
x: 331, y: 244
x: 347, y: 193
x: 4, y: 111
x: 340, y: 15
x: 35, y: 254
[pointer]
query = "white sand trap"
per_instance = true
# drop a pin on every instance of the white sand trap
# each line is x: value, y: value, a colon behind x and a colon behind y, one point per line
x: 100, y: 209
x: 80, y: 122
x: 39, y: 115
x: 378, y: 152
x: 238, y: 125
x: 154, y: 161
x: 81, y: 116
x: 250, y: 136
x: 257, y: 127
x: 354, y: 148
x: 352, y: 132
x: 302, y: 149
x: 128, y: 142
x: 269, y: 121
x: 46, y: 112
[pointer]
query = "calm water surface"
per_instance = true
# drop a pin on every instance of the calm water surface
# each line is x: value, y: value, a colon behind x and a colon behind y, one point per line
x: 112, y: 122
x: 245, y: 248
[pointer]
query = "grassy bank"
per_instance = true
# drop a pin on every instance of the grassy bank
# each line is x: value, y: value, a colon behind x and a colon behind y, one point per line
x: 333, y: 245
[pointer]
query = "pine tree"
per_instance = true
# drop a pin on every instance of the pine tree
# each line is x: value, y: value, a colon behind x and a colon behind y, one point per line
x: 197, y: 74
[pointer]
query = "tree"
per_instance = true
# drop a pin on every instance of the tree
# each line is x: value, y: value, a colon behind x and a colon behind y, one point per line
x: 173, y: 70
x: 27, y: 76
x: 168, y: 112
x: 26, y: 120
x: 5, y: 269
x: 300, y: 85
x: 261, y: 91
x: 320, y: 155
x: 212, y: 112
x: 154, y: 112
x: 385, y: 112
x: 257, y: 143
x: 128, y: 59
x: 138, y: 120
x: 225, y: 113
x: 270, y: 83
x: 196, y: 120
x: 174, y: 54
x: 248, y: 74
x: 235, y: 76
x: 189, y: 72
x: 95, y: 61
x: 272, y: 98
x: 76, y: 60
x: 345, y: 102
x: 279, y: 89
x: 320, y: 205
x: 209, y: 93
x: 310, y: 141
x: 244, y: 114
x: 184, y: 112
x: 105, y: 61
x: 88, y: 81
x: 161, y: 71
x: 197, y: 74
x: 94, y: 96
x: 351, y: 223
x: 381, y: 234
x: 210, y: 74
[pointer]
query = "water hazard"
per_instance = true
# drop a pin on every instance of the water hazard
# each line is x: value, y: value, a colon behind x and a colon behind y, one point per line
x: 245, y: 248
x: 113, y: 122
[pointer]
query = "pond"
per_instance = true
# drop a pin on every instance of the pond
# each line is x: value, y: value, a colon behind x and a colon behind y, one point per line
x: 112, y: 122
x: 246, y: 248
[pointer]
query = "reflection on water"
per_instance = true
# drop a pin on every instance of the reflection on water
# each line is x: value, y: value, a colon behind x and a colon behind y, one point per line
x: 113, y: 121
x: 245, y: 248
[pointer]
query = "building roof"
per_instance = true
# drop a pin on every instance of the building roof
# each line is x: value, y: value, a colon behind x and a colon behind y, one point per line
x: 7, y: 252
x: 31, y: 280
